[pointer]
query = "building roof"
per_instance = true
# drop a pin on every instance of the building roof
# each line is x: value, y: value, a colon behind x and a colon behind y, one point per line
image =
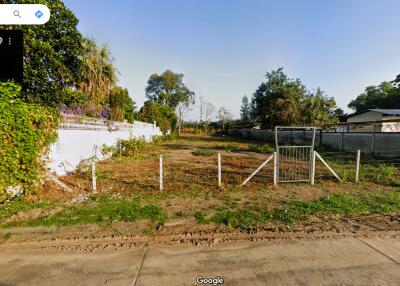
x: 387, y: 111
x: 393, y: 112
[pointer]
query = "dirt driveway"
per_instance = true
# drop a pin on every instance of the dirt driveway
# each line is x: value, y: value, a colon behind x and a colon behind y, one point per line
x: 329, y: 261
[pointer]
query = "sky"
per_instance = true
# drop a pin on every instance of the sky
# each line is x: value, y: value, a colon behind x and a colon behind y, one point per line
x: 225, y: 47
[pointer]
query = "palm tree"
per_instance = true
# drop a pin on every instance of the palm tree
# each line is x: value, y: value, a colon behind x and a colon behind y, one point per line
x: 98, y: 73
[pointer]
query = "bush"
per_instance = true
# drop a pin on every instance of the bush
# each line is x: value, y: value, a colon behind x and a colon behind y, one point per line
x: 26, y: 132
x: 131, y: 147
x: 164, y: 115
x: 170, y: 137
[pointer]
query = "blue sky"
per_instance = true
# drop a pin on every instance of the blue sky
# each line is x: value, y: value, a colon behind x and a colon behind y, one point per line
x: 225, y: 47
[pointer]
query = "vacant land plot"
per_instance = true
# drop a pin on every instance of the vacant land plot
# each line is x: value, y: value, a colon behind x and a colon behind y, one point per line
x: 128, y: 200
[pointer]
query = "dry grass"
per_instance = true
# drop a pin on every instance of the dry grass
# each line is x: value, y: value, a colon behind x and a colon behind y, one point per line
x: 190, y: 182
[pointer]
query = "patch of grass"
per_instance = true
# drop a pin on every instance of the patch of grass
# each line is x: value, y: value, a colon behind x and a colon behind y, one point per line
x: 292, y: 211
x: 232, y: 147
x: 260, y: 148
x: 104, y: 212
x: 181, y: 214
x: 6, y: 236
x: 204, y: 152
x: 200, y: 218
x: 19, y: 205
x: 147, y: 231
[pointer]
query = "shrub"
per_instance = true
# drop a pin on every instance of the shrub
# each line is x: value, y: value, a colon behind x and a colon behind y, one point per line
x: 26, y: 132
x: 131, y: 147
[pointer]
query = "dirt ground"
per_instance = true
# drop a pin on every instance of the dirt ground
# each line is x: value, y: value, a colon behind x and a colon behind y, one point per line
x: 190, y: 188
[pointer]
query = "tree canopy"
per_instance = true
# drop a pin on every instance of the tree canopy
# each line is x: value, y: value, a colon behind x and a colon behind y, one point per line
x: 167, y: 95
x: 168, y: 89
x: 385, y: 95
x: 164, y: 115
x: 52, y: 54
x: 285, y: 101
x: 121, y: 104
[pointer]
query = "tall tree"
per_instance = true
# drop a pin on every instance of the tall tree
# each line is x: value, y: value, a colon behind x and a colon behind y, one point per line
x: 284, y: 101
x: 277, y: 101
x: 318, y: 109
x: 163, y: 115
x: 168, y: 89
x: 53, y: 54
x: 385, y: 95
x: 245, y: 110
x: 224, y: 116
x: 182, y: 109
x: 98, y: 74
x: 122, y: 107
x: 209, y: 110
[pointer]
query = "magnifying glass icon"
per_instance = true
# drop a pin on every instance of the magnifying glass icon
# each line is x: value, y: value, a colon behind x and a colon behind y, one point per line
x: 16, y: 13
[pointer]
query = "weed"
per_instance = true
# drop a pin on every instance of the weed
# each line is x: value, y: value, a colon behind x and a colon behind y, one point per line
x: 232, y: 147
x: 147, y: 231
x: 6, y: 236
x: 200, y: 218
x: 181, y: 214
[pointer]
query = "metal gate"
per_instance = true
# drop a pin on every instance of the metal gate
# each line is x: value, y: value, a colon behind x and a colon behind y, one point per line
x: 294, y: 163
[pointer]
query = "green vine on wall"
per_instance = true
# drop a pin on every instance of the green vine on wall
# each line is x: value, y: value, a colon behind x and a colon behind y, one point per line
x: 26, y: 132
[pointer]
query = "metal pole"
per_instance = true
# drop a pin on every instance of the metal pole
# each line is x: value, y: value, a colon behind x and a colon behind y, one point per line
x: 219, y: 171
x: 358, y: 164
x: 161, y: 173
x: 258, y: 169
x: 94, y: 183
x: 275, y: 169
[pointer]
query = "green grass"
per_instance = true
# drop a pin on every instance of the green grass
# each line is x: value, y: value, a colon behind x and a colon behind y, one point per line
x: 200, y: 218
x: 204, y: 152
x: 102, y: 212
x: 293, y: 211
x: 181, y: 214
x: 260, y: 148
x: 19, y: 205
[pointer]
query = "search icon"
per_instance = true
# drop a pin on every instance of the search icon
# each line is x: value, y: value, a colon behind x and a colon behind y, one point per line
x: 16, y: 13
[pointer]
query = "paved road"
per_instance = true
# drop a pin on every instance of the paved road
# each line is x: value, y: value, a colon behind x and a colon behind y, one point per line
x: 338, y: 261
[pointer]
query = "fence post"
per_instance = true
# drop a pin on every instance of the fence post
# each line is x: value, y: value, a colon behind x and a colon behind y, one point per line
x: 219, y: 171
x: 358, y: 164
x: 313, y: 167
x: 94, y: 183
x: 275, y: 169
x: 161, y: 173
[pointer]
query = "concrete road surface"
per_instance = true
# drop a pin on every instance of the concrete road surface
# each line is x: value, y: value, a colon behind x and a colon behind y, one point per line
x: 335, y: 261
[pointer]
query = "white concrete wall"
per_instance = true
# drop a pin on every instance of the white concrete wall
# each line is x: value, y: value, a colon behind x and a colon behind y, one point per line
x: 77, y: 138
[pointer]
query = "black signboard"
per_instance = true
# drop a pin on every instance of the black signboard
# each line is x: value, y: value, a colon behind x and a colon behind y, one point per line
x: 11, y: 55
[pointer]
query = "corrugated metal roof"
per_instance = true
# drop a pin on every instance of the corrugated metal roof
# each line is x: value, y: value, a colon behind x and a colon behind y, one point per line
x: 387, y: 111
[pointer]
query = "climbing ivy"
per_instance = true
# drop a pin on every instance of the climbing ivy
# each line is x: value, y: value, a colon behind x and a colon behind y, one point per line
x: 26, y: 132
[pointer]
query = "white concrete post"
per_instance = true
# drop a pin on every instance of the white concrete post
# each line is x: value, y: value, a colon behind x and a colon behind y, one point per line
x: 275, y: 169
x: 161, y: 173
x: 219, y: 171
x: 94, y: 183
x: 358, y: 164
x: 313, y: 167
